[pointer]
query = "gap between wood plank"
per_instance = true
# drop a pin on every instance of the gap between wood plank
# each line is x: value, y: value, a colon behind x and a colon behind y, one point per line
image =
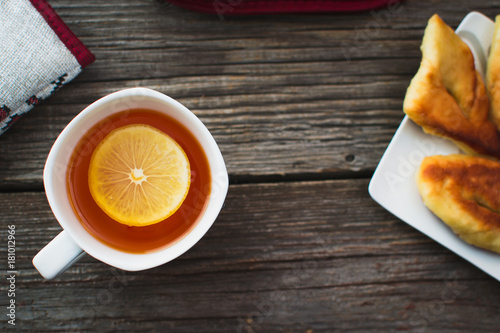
x: 236, y: 179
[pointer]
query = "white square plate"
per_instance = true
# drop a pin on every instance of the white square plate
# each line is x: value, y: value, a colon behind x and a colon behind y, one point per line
x: 393, y: 184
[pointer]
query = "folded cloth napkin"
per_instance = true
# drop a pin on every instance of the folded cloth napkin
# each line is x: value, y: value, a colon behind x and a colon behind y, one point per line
x: 39, y: 55
x: 241, y: 7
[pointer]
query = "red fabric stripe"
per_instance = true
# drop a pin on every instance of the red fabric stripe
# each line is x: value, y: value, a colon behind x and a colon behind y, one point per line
x: 241, y: 7
x: 77, y: 48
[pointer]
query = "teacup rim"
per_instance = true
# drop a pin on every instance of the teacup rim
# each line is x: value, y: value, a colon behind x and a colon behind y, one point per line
x: 99, y: 250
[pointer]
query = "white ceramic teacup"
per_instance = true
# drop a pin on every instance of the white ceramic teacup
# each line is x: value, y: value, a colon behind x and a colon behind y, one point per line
x: 74, y: 241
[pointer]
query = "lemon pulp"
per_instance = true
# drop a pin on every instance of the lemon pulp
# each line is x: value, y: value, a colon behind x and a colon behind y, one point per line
x: 139, y: 175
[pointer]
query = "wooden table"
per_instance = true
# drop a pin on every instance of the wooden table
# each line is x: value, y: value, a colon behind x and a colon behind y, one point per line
x: 303, y: 107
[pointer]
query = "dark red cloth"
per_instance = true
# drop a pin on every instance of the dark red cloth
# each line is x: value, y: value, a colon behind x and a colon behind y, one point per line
x: 242, y: 7
x: 76, y: 47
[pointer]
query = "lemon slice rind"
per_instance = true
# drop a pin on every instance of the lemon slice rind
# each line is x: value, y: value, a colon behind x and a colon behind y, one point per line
x: 138, y: 175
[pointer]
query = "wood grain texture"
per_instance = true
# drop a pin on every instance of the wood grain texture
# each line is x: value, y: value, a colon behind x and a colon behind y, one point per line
x: 283, y: 95
x: 281, y: 257
x: 288, y: 98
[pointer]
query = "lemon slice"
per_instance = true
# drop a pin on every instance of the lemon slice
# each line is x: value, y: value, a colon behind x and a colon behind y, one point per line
x: 139, y: 175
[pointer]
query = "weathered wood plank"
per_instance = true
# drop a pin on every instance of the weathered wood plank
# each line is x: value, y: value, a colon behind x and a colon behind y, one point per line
x: 291, y: 94
x: 300, y: 96
x: 282, y: 257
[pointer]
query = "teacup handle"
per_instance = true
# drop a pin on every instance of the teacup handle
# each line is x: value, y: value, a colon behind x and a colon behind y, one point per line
x: 57, y: 256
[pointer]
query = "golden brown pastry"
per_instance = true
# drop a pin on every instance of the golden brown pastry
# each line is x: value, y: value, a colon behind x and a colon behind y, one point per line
x: 464, y: 192
x: 447, y: 97
x: 493, y: 75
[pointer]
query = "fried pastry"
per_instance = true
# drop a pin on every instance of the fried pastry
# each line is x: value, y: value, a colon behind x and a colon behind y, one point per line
x: 493, y: 75
x: 463, y: 191
x: 447, y: 97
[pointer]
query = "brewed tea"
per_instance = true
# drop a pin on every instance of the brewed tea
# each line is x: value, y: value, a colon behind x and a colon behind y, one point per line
x: 143, y: 239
